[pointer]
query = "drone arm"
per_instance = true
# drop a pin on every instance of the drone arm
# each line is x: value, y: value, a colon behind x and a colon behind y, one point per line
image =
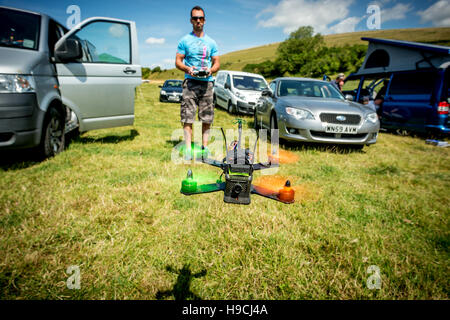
x: 213, y: 163
x: 207, y: 188
x: 268, y: 165
x: 267, y: 193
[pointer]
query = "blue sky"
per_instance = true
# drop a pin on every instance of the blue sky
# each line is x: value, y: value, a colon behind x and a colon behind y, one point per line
x: 241, y: 24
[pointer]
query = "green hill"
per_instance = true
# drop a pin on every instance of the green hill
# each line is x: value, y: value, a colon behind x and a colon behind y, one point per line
x: 236, y: 60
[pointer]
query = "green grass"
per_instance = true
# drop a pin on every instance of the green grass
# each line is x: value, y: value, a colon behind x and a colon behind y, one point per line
x: 238, y: 59
x: 110, y: 203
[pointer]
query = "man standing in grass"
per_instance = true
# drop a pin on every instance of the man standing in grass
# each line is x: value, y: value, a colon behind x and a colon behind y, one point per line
x: 197, y: 52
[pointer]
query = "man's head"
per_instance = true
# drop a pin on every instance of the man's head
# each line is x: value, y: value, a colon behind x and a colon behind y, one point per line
x: 197, y: 18
x: 366, y: 100
x: 340, y: 80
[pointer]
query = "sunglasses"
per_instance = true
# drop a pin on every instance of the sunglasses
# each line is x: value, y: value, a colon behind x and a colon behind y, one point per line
x: 198, y: 18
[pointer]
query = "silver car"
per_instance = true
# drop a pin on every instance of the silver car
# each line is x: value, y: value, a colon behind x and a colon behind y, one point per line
x: 315, y: 111
x: 54, y: 80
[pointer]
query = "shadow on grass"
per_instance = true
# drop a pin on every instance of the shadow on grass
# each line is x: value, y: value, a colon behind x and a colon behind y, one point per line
x: 18, y: 159
x: 419, y: 135
x: 181, y: 289
x: 321, y: 147
x: 109, y: 139
x: 174, y: 143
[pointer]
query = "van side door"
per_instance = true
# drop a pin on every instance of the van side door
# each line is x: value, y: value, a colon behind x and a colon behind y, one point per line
x: 218, y: 90
x: 408, y: 103
x: 100, y: 86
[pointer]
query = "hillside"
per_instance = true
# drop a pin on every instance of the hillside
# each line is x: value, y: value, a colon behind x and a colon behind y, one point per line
x: 236, y: 60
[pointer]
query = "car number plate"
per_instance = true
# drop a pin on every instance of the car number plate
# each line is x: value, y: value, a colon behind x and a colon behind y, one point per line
x: 174, y: 98
x: 336, y: 128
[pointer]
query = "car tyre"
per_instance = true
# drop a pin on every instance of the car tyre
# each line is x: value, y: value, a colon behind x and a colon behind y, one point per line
x: 214, y: 101
x: 53, y: 137
x: 231, y: 108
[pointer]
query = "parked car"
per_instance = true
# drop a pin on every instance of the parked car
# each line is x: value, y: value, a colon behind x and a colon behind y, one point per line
x: 315, y: 111
x: 237, y: 91
x: 171, y: 91
x: 411, y: 79
x: 53, y: 80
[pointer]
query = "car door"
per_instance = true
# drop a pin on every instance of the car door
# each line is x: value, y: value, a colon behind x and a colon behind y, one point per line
x: 268, y: 105
x: 407, y: 102
x: 219, y: 89
x: 100, y: 86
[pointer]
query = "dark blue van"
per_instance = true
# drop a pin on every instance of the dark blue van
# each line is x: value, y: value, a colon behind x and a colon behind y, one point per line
x: 407, y: 83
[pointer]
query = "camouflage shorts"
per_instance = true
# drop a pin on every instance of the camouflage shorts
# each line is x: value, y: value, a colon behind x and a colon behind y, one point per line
x: 197, y: 93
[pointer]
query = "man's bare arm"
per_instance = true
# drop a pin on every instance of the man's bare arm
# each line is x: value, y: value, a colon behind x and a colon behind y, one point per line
x: 181, y: 66
x: 215, y: 64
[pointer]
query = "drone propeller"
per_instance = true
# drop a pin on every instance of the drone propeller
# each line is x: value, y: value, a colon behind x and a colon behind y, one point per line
x: 189, y: 185
x: 285, y: 195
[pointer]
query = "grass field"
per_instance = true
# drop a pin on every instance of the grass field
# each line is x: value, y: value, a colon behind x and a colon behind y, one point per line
x: 110, y: 204
x: 238, y: 59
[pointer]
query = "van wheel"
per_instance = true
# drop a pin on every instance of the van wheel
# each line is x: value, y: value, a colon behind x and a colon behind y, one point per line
x: 231, y: 108
x: 53, y: 138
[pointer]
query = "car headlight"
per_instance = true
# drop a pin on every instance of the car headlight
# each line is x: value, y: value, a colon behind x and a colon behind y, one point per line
x: 299, y: 114
x: 16, y: 83
x: 372, y: 117
x: 163, y: 92
x: 240, y: 95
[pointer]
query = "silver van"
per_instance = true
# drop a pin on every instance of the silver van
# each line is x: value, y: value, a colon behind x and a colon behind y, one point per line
x: 238, y: 91
x: 53, y: 80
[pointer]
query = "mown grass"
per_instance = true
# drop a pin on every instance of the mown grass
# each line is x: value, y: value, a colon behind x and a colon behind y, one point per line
x: 111, y: 205
x: 237, y: 60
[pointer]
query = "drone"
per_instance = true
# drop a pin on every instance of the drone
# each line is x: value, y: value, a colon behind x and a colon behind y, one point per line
x: 238, y: 168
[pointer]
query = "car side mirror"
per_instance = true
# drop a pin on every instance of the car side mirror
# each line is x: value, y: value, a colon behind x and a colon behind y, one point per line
x: 69, y: 50
x: 227, y: 86
x: 349, y: 97
x: 266, y: 93
x: 159, y: 86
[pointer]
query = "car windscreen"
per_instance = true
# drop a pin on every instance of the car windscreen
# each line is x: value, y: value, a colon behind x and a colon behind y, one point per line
x: 249, y: 83
x: 173, y: 84
x: 19, y: 29
x: 306, y: 88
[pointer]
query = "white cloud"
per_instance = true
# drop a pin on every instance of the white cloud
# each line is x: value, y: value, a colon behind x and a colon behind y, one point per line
x: 347, y: 25
x: 152, y: 40
x: 292, y: 14
x: 438, y: 14
x: 117, y: 30
x: 398, y: 12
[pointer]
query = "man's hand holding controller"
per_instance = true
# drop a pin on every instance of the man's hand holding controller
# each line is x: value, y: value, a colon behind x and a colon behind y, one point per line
x: 202, y: 73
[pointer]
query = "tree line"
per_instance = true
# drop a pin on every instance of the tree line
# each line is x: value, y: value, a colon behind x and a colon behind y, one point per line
x: 147, y: 71
x: 305, y: 54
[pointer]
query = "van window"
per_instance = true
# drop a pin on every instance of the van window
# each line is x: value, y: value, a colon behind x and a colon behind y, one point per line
x: 417, y: 83
x: 273, y: 86
x: 228, y: 80
x: 221, y: 78
x: 446, y: 92
x: 55, y: 32
x: 248, y: 83
x: 105, y: 42
x: 19, y: 29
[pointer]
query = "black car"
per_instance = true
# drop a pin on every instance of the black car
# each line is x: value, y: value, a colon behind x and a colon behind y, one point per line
x: 171, y: 91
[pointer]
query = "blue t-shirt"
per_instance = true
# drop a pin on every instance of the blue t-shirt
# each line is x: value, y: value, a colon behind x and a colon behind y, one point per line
x: 197, y: 52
